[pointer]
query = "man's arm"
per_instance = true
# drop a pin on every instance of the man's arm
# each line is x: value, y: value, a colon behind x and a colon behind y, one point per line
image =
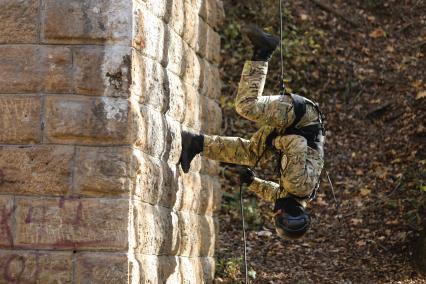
x: 267, y: 190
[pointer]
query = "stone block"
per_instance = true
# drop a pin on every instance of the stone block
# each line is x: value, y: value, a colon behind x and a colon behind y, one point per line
x: 155, y: 269
x: 197, y: 193
x: 213, y: 46
x: 83, y: 120
x: 201, y: 47
x: 30, y: 69
x: 105, y: 268
x: 35, y: 267
x: 105, y: 171
x: 77, y: 224
x: 102, y: 71
x: 190, y: 31
x: 87, y: 22
x: 192, y: 70
x: 18, y: 20
x: 177, y: 90
x: 175, y: 53
x: 192, y: 109
x: 7, y: 211
x: 212, y: 12
x: 151, y: 34
x: 20, y: 119
x: 155, y: 230
x: 150, y: 82
x: 176, y: 15
x: 210, y: 115
x: 37, y: 170
x: 210, y: 82
x: 173, y: 142
x: 153, y: 132
x: 56, y: 65
x: 158, y: 230
x: 156, y: 181
x: 157, y: 8
x: 172, y: 269
x: 197, y: 234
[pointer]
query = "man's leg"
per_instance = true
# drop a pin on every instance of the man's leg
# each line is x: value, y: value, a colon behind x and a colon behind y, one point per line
x: 275, y: 111
x: 300, y: 166
x: 232, y: 150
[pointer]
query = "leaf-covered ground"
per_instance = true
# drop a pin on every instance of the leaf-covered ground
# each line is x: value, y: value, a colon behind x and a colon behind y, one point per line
x: 364, y: 61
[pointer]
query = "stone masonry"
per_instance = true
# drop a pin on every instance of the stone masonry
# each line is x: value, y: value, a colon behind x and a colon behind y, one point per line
x: 94, y: 95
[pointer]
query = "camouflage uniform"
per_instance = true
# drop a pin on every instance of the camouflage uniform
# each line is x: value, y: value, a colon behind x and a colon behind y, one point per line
x: 300, y: 165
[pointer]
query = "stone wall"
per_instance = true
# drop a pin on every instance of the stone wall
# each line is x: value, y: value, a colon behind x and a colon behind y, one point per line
x: 93, y: 97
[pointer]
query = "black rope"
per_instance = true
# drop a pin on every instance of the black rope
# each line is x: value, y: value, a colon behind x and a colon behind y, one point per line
x: 243, y: 219
x: 244, y: 234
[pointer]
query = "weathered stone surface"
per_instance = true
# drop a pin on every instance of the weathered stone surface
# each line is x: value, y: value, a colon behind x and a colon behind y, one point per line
x: 172, y: 269
x: 20, y: 119
x: 71, y: 119
x: 7, y: 210
x: 201, y: 46
x: 86, y: 22
x: 102, y: 70
x: 151, y: 34
x: 71, y: 223
x: 105, y: 268
x: 192, y: 109
x: 177, y: 90
x: 176, y: 15
x: 153, y: 132
x: 198, y: 194
x: 190, y: 31
x: 175, y: 53
x: 18, y: 20
x: 155, y: 230
x: 105, y: 171
x: 35, y: 267
x: 192, y: 70
x: 212, y: 12
x: 213, y: 46
x: 210, y: 83
x: 150, y: 82
x: 166, y: 269
x: 197, y: 234
x: 25, y: 69
x: 39, y: 170
x: 156, y: 181
x: 210, y: 115
x: 173, y: 141
x: 158, y: 230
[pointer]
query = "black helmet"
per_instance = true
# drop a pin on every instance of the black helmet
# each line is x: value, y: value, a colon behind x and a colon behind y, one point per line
x: 291, y: 219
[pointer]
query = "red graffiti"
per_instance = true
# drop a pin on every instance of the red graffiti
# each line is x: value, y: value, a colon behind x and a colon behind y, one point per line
x: 2, y: 177
x: 14, y: 276
x: 5, y: 217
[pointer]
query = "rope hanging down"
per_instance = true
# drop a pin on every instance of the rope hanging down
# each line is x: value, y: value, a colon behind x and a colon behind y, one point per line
x: 282, y: 91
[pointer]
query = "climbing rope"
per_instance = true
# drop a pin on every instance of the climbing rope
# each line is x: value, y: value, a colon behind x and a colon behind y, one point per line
x: 282, y: 91
x: 283, y: 88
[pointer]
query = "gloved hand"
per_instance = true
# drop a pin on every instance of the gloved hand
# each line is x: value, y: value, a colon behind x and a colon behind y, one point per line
x: 246, y: 176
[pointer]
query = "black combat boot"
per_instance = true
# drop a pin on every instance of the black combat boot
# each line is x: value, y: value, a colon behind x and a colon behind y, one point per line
x: 264, y: 44
x: 192, y: 144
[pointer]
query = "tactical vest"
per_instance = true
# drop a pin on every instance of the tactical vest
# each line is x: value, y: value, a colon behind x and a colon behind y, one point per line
x: 314, y: 132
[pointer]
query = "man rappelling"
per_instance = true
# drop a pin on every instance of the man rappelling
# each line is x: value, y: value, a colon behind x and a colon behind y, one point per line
x: 291, y: 126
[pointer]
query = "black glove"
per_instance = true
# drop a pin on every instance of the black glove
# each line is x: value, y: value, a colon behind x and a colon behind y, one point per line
x: 246, y: 176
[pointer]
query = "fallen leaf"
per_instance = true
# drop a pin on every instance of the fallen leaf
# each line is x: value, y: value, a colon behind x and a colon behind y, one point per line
x: 421, y: 95
x: 365, y: 192
x: 377, y: 33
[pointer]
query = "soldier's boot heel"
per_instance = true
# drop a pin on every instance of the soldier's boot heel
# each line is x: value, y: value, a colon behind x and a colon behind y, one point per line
x: 192, y: 144
x: 264, y: 44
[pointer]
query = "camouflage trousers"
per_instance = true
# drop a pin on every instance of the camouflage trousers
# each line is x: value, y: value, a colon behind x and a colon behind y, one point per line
x: 300, y: 165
